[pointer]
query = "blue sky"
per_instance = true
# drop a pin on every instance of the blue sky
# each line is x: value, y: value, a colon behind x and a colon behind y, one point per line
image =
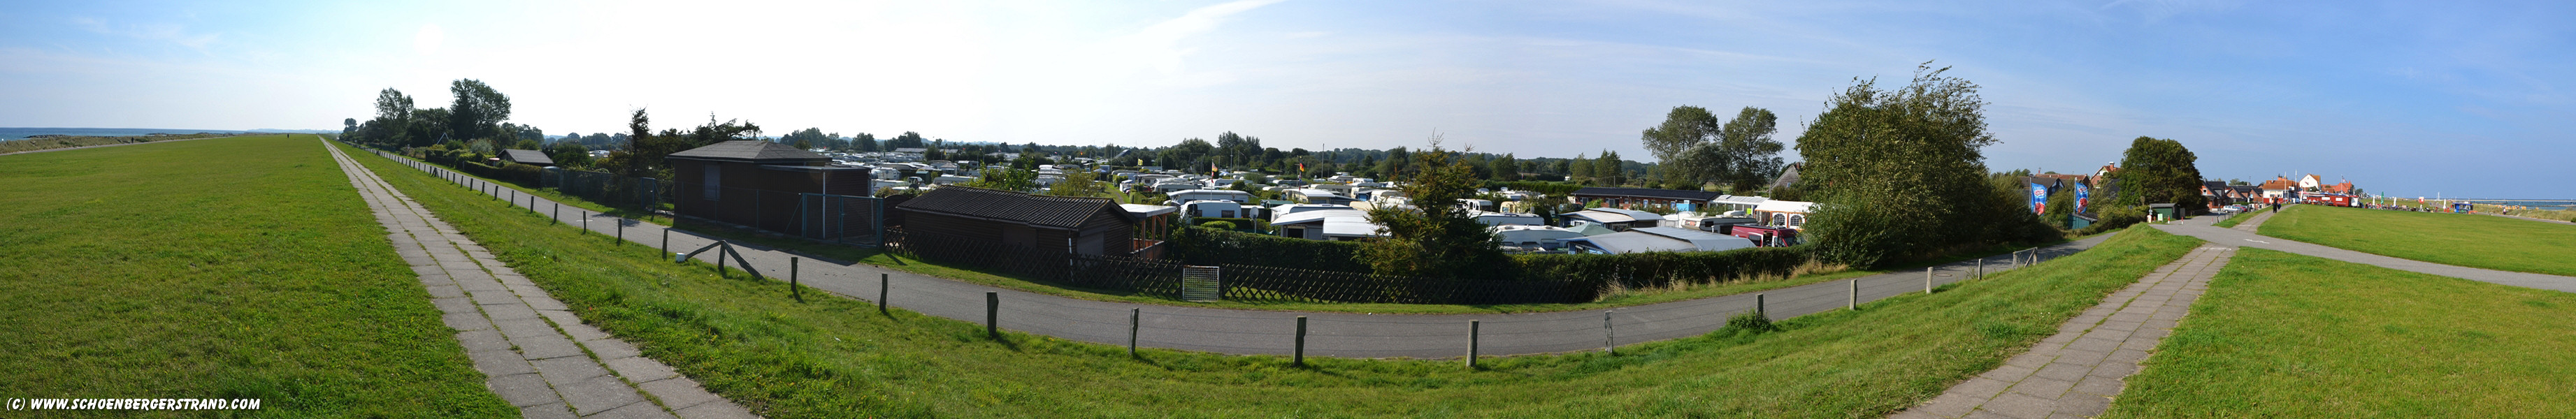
x: 2405, y: 98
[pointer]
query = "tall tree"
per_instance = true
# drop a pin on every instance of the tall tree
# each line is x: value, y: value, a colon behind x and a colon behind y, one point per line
x: 1505, y: 168
x: 1745, y: 144
x: 478, y: 110
x: 2156, y: 171
x: 1899, y: 173
x: 1579, y: 169
x: 1682, y: 144
x: 865, y: 142
x: 1610, y: 169
x: 1437, y: 237
x: 392, y: 105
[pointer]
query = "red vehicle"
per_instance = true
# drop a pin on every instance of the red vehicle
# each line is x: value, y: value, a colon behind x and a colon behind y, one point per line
x: 1763, y: 236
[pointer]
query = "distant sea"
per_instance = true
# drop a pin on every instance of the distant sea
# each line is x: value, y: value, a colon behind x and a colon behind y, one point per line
x: 2547, y: 205
x: 8, y: 133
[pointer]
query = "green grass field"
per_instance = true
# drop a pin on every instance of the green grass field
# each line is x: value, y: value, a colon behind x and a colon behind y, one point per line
x: 2454, y: 239
x: 834, y: 357
x: 221, y: 268
x: 2284, y: 335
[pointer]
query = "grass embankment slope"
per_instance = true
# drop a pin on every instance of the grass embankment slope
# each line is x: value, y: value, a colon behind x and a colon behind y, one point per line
x: 2239, y: 218
x: 221, y: 268
x: 835, y: 357
x: 2286, y: 335
x: 2453, y: 239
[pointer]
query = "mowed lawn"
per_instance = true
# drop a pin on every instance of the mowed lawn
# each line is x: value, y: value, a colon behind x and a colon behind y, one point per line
x: 2453, y: 239
x: 221, y: 268
x: 2285, y: 335
x: 835, y: 357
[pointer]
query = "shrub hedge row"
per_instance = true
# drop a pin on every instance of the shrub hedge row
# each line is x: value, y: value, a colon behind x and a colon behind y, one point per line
x: 1637, y: 270
x: 1207, y: 246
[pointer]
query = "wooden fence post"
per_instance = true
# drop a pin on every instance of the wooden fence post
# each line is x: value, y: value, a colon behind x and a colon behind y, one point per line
x: 1608, y: 335
x: 792, y: 288
x: 881, y: 293
x: 1135, y: 321
x: 992, y: 314
x: 1757, y: 306
x: 1474, y: 329
x: 666, y: 240
x: 720, y: 273
x: 1855, y: 294
x: 1301, y: 342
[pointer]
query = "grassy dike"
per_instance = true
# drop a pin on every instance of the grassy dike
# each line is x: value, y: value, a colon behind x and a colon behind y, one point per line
x: 222, y: 268
x: 2453, y: 239
x: 835, y: 357
x: 2286, y: 335
x: 2239, y: 218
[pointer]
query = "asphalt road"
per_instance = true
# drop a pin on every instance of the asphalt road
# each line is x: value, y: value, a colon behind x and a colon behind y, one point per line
x: 1348, y: 335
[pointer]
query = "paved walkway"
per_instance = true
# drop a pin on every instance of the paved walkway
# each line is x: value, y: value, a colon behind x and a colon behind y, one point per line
x: 1346, y: 335
x: 2545, y: 220
x: 2076, y: 372
x: 2245, y: 235
x: 531, y: 351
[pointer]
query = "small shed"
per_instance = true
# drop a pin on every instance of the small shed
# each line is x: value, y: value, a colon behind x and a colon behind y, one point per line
x: 527, y: 157
x: 966, y: 216
x: 2162, y: 212
x: 757, y: 183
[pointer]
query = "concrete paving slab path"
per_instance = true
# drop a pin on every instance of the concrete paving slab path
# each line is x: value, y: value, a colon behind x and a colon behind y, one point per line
x: 2077, y: 372
x: 532, y: 353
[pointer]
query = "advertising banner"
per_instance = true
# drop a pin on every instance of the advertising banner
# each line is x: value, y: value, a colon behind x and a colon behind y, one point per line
x: 2038, y: 198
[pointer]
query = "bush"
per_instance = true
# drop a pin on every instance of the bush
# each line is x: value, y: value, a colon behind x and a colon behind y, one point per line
x: 1658, y: 269
x: 1209, y: 246
x: 2114, y: 218
x: 1749, y: 323
x: 1247, y: 225
x: 1220, y: 225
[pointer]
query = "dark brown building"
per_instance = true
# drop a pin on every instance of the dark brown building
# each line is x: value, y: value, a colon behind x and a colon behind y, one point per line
x: 756, y: 183
x: 964, y: 215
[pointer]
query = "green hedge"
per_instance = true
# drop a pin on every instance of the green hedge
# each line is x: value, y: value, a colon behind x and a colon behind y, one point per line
x: 1207, y: 246
x: 1636, y: 270
x: 1247, y: 225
